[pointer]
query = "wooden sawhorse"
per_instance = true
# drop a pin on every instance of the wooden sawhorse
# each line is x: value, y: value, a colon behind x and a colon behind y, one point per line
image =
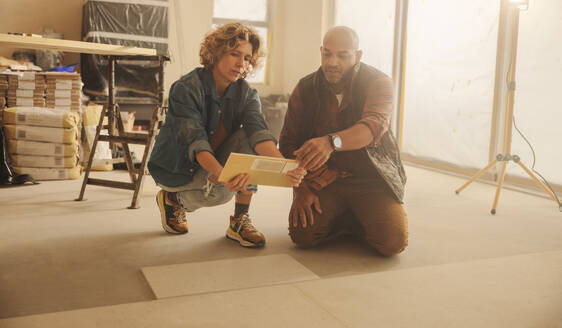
x: 117, y: 133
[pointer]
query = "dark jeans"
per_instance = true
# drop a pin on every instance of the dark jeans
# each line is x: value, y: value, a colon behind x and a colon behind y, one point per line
x: 366, y: 203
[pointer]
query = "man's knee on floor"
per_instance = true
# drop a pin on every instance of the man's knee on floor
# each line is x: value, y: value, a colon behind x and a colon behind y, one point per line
x: 390, y: 244
x: 305, y: 238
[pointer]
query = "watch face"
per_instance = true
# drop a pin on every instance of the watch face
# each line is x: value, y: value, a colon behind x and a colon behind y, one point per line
x: 337, y: 141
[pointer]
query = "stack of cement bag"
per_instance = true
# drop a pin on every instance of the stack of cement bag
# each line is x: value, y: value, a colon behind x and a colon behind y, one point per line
x: 63, y: 91
x: 3, y: 92
x: 43, y: 142
x: 26, y: 89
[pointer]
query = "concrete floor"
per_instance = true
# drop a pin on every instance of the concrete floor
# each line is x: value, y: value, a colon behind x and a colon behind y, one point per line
x: 78, y: 264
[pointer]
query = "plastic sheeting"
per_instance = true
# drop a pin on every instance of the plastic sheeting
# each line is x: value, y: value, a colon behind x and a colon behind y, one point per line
x: 449, y: 85
x: 373, y: 20
x: 537, y: 109
x: 139, y: 23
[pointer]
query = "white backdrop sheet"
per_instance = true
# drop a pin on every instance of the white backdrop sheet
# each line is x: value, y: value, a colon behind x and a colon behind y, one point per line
x: 538, y: 109
x: 373, y: 20
x: 449, y: 87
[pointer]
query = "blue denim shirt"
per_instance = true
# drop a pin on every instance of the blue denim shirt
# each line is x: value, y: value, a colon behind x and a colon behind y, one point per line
x: 194, y: 112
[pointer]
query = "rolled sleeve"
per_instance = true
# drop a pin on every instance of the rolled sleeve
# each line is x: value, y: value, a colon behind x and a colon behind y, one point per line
x: 253, y: 120
x: 288, y: 140
x: 188, y: 125
x: 260, y: 136
x: 197, y: 147
x: 378, y: 108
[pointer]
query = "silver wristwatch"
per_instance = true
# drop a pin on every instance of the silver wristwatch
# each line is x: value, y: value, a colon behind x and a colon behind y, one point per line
x: 335, y: 140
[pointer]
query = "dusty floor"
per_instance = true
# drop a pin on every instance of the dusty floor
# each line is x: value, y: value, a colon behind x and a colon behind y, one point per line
x: 79, y: 264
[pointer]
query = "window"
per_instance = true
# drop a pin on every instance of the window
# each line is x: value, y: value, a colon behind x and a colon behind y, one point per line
x: 373, y: 20
x: 249, y: 12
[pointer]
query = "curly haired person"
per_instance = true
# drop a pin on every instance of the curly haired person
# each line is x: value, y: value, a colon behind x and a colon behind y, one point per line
x: 212, y: 112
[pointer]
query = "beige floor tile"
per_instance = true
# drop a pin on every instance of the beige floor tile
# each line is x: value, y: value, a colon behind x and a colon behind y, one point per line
x: 212, y: 276
x: 58, y: 255
x: 517, y: 291
x: 277, y: 306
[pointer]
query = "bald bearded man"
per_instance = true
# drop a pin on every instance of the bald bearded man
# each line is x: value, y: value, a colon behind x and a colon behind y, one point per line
x: 337, y: 128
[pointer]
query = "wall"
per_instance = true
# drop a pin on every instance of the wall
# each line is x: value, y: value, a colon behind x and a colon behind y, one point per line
x: 296, y: 34
x: 189, y: 21
x: 33, y: 16
x: 303, y: 38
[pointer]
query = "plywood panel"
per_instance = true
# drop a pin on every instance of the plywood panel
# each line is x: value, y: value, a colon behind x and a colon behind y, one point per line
x: 212, y: 276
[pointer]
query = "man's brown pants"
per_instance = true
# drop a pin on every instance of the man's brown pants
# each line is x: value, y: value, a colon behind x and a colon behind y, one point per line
x: 368, y: 202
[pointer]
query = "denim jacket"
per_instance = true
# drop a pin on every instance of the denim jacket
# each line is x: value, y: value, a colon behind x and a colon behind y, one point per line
x: 194, y: 112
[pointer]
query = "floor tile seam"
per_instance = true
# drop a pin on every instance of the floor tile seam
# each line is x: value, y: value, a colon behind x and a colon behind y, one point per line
x: 289, y: 283
x: 297, y: 284
x: 436, y: 265
x: 217, y: 292
x: 319, y: 305
x: 73, y: 310
x: 61, y: 214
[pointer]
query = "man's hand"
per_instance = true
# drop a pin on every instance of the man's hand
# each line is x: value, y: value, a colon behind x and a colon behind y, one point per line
x: 296, y: 176
x: 302, y: 209
x: 269, y: 148
x: 314, y: 153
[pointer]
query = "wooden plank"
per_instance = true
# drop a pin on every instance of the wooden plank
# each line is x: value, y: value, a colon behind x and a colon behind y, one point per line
x: 111, y: 184
x: 140, y: 140
x: 31, y: 42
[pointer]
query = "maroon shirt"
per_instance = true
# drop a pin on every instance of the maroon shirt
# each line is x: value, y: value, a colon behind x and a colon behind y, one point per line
x: 219, y: 136
x: 335, y: 117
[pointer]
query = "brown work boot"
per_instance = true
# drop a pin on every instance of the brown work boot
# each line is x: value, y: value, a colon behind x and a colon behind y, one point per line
x: 242, y: 230
x: 173, y: 215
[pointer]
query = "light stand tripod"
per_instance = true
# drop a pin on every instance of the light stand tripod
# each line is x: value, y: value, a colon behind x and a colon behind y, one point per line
x: 506, y: 156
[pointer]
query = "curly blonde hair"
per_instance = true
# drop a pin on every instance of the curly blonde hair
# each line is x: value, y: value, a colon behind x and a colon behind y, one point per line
x: 226, y: 38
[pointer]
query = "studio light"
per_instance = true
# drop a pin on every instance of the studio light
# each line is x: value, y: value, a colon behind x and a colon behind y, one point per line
x: 511, y: 10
